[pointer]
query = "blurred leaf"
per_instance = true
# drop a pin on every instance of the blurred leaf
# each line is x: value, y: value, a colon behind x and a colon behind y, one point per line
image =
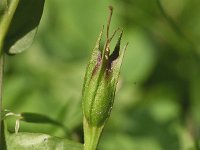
x: 32, y: 118
x: 23, y: 26
x: 34, y: 141
x: 127, y: 142
x: 140, y: 58
x: 173, y: 9
x: 38, y: 118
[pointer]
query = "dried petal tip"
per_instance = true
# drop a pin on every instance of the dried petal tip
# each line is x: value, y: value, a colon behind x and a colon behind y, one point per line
x: 115, y: 53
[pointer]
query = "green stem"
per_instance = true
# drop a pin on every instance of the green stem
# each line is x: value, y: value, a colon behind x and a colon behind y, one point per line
x: 4, y: 26
x: 91, y: 136
x: 6, y: 20
x: 1, y: 83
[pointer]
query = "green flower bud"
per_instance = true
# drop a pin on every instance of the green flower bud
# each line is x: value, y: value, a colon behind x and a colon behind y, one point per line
x: 101, y: 80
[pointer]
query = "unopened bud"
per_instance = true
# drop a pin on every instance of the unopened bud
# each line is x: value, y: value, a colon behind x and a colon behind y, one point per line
x: 100, y: 81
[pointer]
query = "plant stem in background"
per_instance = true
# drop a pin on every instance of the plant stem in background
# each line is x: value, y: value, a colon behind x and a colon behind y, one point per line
x: 189, y: 120
x: 175, y: 27
x: 1, y: 85
x: 4, y: 26
x: 6, y: 20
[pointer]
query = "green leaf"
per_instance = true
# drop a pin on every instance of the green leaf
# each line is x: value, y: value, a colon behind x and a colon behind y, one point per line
x: 23, y: 26
x: 38, y: 141
x: 32, y: 118
x: 35, y: 141
x: 39, y: 118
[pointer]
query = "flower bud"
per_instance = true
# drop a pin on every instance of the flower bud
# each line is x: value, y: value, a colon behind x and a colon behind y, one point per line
x: 100, y: 81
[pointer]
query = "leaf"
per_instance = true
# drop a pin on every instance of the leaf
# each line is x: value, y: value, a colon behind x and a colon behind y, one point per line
x: 32, y: 118
x: 39, y: 118
x: 36, y: 141
x: 23, y: 26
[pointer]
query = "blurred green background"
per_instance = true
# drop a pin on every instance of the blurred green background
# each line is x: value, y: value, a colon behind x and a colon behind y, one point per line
x: 157, y: 104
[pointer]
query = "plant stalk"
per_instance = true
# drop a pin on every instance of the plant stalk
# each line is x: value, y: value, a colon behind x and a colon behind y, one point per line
x: 91, y: 136
x: 1, y: 85
x: 4, y: 26
x: 6, y: 20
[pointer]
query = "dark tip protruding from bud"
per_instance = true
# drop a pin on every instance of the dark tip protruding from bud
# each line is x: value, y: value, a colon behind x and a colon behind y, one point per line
x: 115, y: 53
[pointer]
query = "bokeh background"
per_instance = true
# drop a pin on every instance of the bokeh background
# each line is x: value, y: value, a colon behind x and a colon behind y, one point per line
x: 157, y: 104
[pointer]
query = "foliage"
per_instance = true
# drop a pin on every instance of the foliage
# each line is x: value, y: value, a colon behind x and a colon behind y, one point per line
x: 157, y: 101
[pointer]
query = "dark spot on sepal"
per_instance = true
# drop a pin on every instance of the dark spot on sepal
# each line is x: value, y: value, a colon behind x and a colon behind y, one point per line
x: 98, y: 64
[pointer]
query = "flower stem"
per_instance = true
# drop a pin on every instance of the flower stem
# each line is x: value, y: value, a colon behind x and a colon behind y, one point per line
x: 91, y: 136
